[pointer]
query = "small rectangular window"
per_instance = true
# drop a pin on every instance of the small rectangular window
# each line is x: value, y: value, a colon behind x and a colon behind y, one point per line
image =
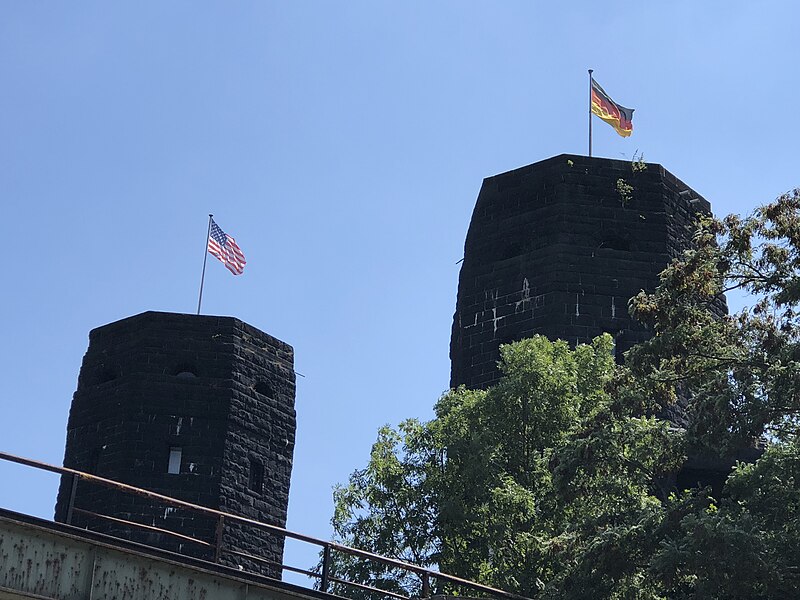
x: 256, y: 482
x: 94, y: 460
x: 174, y: 465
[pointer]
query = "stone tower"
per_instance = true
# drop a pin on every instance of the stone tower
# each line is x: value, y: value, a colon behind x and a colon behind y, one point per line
x: 196, y: 407
x: 558, y: 248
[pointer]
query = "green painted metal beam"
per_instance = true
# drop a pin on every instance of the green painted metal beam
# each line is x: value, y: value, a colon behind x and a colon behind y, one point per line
x: 44, y: 560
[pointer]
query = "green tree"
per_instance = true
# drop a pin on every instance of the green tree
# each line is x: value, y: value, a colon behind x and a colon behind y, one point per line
x: 557, y: 482
x: 390, y: 508
x: 743, y: 370
x: 503, y: 486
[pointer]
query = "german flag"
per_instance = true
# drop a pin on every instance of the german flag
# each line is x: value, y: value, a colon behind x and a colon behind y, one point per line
x: 616, y: 115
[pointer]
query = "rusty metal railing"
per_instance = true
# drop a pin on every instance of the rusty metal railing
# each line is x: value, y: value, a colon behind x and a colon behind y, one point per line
x: 324, y: 576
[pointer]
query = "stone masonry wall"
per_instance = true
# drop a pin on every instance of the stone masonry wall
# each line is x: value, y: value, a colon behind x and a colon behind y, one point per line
x: 554, y: 248
x: 158, y: 381
x: 261, y: 431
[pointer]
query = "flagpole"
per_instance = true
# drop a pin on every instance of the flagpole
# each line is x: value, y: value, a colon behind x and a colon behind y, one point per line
x: 205, y: 258
x: 590, y: 112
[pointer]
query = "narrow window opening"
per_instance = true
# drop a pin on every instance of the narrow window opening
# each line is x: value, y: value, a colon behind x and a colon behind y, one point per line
x: 174, y: 465
x: 94, y: 460
x: 256, y: 482
x: 619, y: 354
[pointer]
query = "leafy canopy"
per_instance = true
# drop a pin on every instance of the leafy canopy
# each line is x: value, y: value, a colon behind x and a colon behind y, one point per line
x: 559, y: 480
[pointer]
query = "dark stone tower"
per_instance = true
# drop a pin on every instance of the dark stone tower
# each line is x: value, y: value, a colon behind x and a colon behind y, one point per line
x: 195, y: 407
x: 558, y: 248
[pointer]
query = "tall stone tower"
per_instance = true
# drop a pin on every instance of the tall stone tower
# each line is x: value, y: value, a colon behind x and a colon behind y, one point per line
x: 196, y: 407
x: 558, y: 248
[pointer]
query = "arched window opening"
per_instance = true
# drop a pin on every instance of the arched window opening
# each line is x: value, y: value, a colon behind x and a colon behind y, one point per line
x: 185, y: 371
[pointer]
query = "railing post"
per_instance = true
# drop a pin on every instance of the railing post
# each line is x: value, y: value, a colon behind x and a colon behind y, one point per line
x: 71, y: 503
x: 218, y: 539
x: 426, y: 585
x: 326, y: 566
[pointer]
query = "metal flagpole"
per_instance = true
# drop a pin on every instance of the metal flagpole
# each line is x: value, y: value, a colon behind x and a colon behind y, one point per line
x: 205, y: 258
x: 590, y: 112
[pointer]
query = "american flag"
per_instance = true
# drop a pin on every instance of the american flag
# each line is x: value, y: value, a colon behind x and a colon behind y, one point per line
x: 224, y: 247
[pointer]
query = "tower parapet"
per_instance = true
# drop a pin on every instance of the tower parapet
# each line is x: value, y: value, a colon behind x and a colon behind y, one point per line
x: 558, y: 248
x: 199, y: 408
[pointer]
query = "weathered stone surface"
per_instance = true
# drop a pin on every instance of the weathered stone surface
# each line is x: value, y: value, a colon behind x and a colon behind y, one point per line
x: 554, y: 249
x: 218, y: 389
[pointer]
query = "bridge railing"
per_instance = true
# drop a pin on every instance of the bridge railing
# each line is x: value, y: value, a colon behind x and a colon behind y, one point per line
x: 217, y: 545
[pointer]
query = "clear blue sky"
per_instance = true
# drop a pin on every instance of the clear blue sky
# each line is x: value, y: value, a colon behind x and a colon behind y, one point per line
x: 343, y: 144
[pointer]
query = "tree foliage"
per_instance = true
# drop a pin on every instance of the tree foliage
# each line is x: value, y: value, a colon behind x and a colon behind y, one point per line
x: 558, y: 482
